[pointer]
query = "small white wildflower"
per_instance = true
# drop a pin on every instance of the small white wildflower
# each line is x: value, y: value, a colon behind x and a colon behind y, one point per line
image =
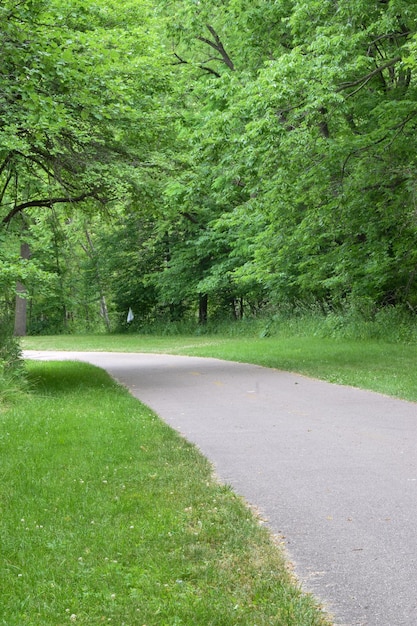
x: 73, y: 618
x: 131, y: 527
x: 113, y: 596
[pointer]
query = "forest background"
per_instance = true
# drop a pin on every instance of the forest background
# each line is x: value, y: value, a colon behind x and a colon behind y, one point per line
x: 239, y: 163
x: 201, y: 162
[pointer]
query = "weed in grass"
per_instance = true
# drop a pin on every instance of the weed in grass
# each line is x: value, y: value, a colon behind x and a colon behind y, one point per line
x: 107, y: 515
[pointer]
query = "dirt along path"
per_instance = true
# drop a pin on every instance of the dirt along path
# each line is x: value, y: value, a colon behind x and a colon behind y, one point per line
x: 332, y: 468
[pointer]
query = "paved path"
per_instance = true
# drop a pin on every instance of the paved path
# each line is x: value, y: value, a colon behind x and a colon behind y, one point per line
x: 334, y: 469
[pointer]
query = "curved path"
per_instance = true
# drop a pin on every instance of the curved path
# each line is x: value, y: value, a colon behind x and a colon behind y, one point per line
x: 333, y: 469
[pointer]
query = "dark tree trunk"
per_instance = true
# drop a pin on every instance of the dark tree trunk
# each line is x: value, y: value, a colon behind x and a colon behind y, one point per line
x: 21, y: 301
x: 202, y: 308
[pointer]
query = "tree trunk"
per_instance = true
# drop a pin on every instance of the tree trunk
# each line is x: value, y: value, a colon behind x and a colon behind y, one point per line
x: 21, y: 300
x: 104, y: 310
x: 202, y: 308
x: 92, y: 254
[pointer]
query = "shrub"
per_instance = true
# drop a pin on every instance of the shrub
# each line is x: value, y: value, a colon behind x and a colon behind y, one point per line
x: 12, y: 373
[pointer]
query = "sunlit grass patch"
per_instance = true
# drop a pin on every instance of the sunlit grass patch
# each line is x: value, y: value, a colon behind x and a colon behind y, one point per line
x: 109, y: 516
x: 387, y: 367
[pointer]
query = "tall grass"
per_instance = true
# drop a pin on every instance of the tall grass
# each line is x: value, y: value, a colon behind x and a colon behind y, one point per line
x: 395, y: 324
x: 390, y: 324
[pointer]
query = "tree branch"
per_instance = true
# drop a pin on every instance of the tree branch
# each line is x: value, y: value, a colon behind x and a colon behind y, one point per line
x: 365, y: 79
x: 6, y: 162
x: 6, y: 184
x: 189, y: 217
x: 208, y: 69
x: 218, y: 46
x: 47, y: 202
x: 393, y: 35
x: 182, y: 61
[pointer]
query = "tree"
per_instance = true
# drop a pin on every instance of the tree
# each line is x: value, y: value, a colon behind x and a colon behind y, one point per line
x: 245, y: 153
x: 77, y: 96
x: 316, y: 131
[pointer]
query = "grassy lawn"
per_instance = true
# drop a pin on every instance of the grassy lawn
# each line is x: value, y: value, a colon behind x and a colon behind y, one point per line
x: 389, y: 368
x: 108, y: 516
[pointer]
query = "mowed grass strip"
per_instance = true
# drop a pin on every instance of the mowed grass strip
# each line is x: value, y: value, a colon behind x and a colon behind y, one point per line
x: 109, y: 516
x: 389, y: 368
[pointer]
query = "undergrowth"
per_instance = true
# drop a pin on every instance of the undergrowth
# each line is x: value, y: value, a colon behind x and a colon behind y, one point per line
x: 12, y: 371
x: 392, y: 324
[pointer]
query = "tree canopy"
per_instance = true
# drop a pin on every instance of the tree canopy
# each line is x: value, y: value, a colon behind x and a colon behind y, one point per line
x: 243, y: 153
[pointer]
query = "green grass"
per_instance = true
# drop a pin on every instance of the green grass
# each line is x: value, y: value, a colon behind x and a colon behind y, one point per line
x: 389, y: 368
x: 108, y: 516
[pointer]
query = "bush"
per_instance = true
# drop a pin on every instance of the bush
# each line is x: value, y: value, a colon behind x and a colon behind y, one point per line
x: 12, y: 373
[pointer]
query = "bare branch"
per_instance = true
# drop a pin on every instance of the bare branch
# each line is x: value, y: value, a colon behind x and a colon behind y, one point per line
x: 218, y: 46
x: 206, y: 68
x: 209, y: 70
x: 180, y: 60
x: 6, y: 184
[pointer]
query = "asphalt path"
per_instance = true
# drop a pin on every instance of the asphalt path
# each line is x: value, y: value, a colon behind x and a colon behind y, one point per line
x: 333, y: 469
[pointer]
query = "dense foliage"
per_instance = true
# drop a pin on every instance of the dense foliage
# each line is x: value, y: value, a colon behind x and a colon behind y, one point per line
x: 302, y: 170
x: 184, y: 158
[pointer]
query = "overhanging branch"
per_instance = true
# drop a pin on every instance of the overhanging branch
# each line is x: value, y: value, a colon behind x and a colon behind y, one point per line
x: 43, y: 202
x: 365, y: 79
